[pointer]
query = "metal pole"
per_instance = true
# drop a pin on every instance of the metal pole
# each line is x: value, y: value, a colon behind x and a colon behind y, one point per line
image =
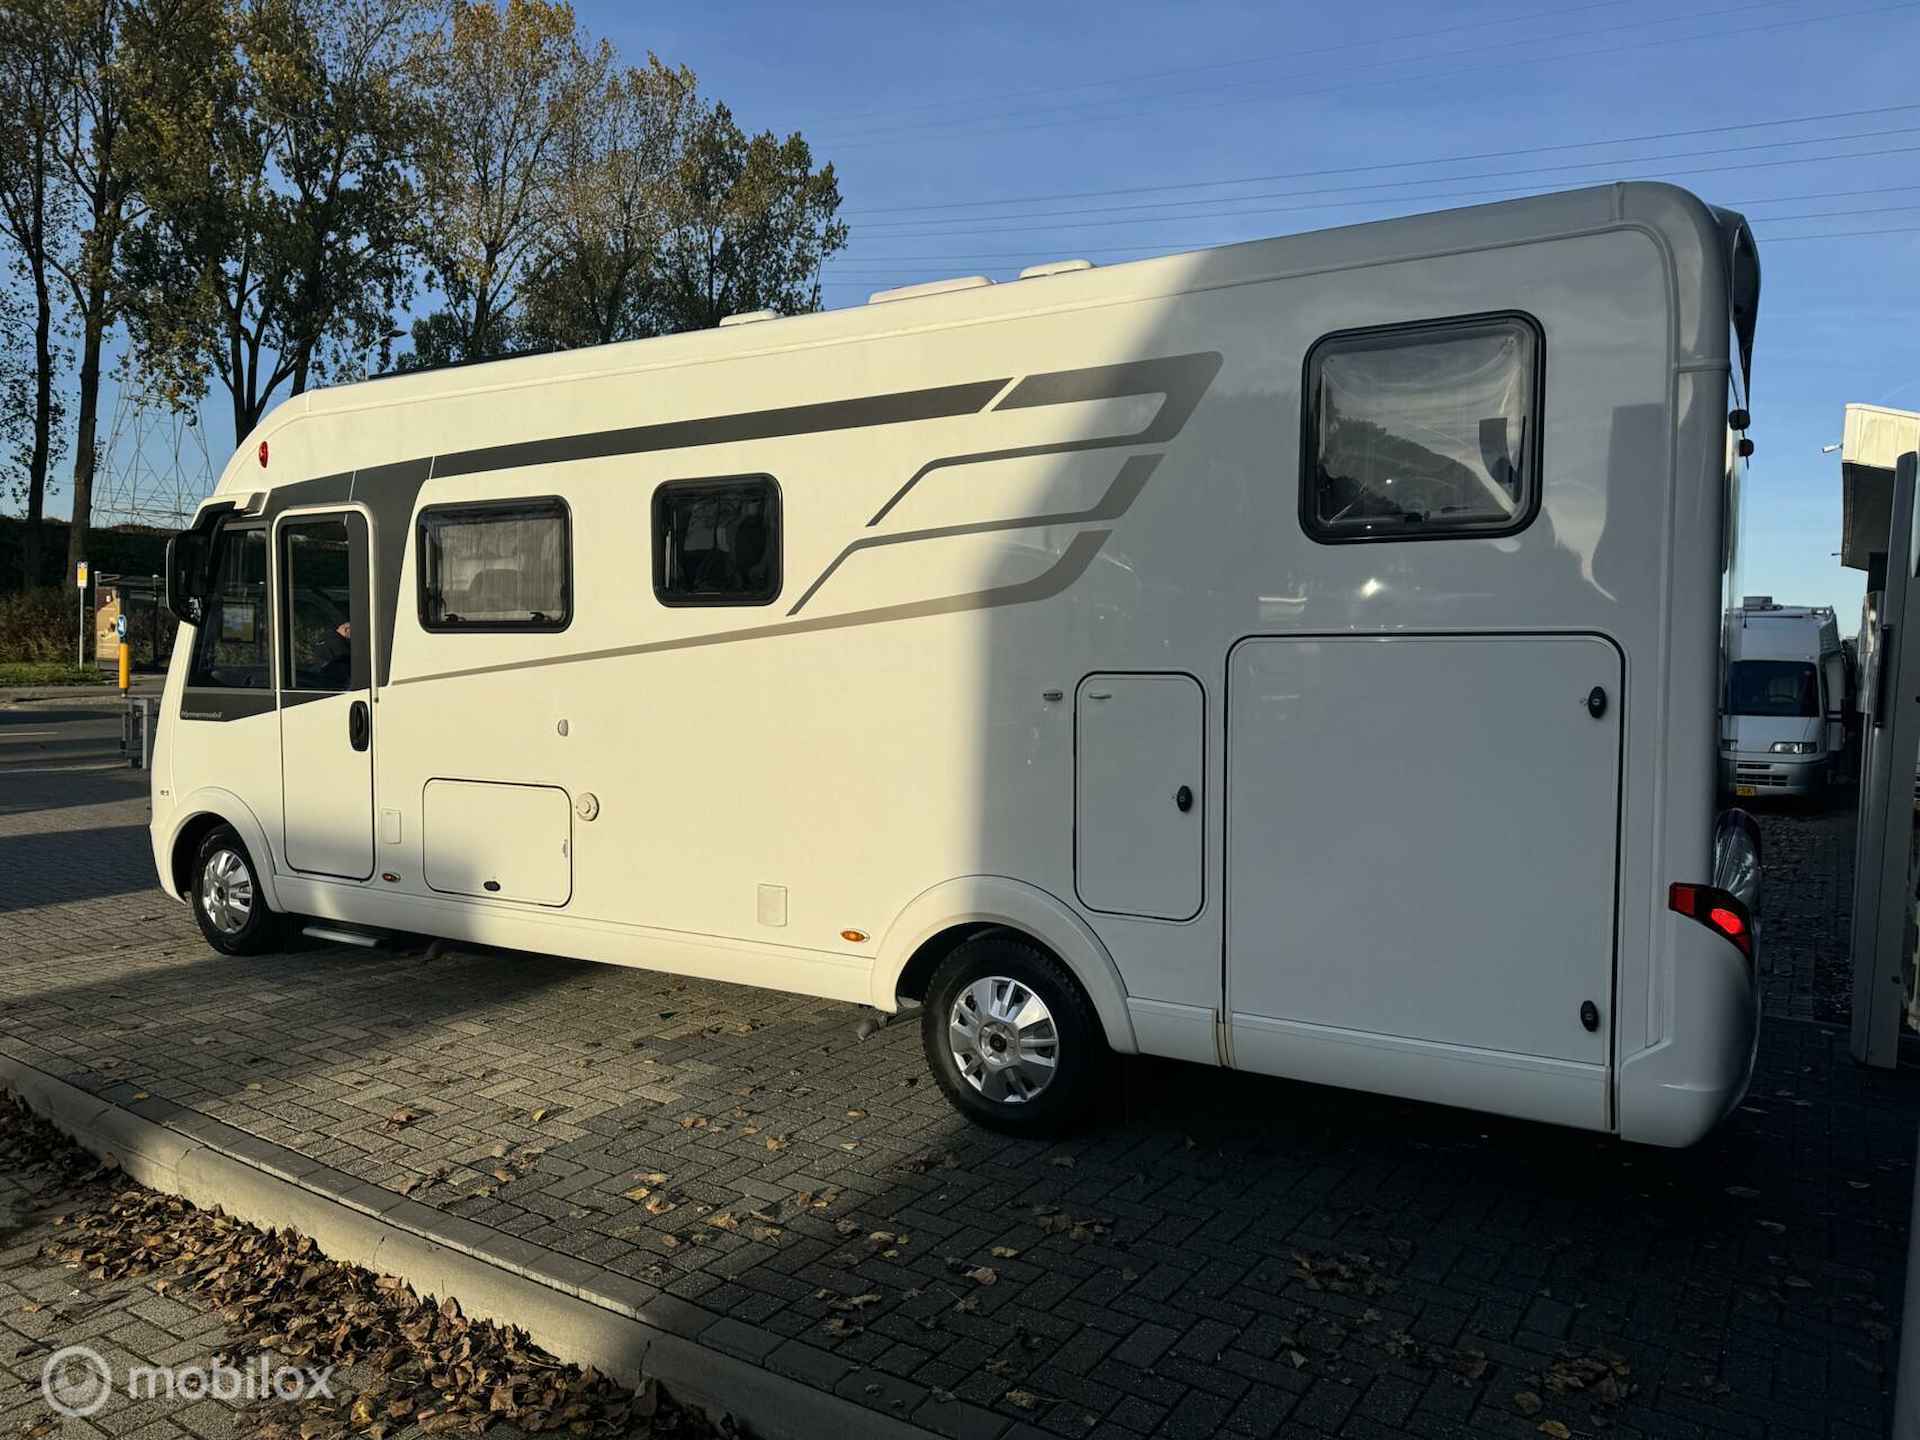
x: 1906, y: 1389
x: 82, y: 658
x: 1883, y: 881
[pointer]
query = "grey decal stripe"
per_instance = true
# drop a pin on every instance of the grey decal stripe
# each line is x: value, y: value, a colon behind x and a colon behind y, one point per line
x: 202, y: 703
x: 1117, y: 500
x: 1182, y: 379
x: 325, y: 490
x: 392, y: 491
x: 895, y: 409
x: 1071, y: 565
x: 389, y: 492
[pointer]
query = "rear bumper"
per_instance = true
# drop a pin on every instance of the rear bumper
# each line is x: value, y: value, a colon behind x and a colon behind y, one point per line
x: 1675, y: 1092
x: 1774, y: 774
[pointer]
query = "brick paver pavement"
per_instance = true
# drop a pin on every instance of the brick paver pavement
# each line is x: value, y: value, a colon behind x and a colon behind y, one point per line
x: 47, y: 1305
x: 1218, y: 1254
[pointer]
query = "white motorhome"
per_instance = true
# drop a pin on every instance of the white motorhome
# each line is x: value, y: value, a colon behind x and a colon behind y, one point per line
x: 1301, y: 656
x: 1783, y: 730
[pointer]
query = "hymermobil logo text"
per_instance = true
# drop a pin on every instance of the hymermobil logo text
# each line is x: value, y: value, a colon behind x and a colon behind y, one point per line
x: 77, y: 1381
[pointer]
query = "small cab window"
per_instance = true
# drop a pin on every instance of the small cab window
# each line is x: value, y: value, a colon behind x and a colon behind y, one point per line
x: 232, y: 648
x: 498, y: 566
x: 316, y: 558
x: 717, y: 542
x: 1422, y: 431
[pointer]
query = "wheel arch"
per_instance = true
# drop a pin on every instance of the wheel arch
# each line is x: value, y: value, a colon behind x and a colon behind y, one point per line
x: 200, y: 812
x: 941, y: 919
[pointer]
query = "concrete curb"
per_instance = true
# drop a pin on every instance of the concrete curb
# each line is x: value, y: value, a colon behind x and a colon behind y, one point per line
x: 569, y: 1307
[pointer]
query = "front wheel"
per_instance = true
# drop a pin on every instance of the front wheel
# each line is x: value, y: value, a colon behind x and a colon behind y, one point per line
x: 1011, y: 1038
x: 226, y: 897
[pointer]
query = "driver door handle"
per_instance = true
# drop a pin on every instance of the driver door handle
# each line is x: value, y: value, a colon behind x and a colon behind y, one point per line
x: 359, y: 730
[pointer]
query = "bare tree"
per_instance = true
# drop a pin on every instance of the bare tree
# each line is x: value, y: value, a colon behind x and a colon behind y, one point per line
x: 752, y: 222
x: 35, y: 217
x: 593, y: 280
x: 87, y: 40
x: 507, y: 87
x: 271, y: 141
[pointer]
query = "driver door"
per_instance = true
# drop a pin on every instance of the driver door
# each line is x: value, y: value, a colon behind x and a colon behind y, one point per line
x: 326, y: 693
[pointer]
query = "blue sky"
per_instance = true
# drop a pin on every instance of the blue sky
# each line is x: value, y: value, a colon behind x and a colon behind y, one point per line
x: 958, y: 105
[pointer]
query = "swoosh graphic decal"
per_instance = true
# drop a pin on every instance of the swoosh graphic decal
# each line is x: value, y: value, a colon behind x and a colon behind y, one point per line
x: 1119, y: 497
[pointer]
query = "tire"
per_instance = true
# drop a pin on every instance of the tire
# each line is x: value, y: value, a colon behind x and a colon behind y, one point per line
x: 226, y: 897
x: 1051, y: 1086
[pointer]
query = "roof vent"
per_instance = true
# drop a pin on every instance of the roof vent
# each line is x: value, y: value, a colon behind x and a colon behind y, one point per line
x: 1055, y: 267
x: 1756, y: 602
x: 748, y: 317
x: 931, y: 287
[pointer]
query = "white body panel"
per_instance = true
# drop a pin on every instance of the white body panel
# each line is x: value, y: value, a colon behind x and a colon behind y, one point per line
x: 1137, y: 746
x: 1480, y: 808
x: 327, y: 790
x: 513, y: 842
x: 989, y: 497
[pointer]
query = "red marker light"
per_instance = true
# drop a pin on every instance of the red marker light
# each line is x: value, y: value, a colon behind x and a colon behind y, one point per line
x: 1715, y: 909
x: 263, y: 454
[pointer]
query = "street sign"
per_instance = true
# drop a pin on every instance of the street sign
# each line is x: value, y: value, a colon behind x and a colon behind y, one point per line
x: 80, y: 575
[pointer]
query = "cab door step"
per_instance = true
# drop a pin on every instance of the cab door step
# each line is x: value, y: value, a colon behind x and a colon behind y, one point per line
x: 343, y: 934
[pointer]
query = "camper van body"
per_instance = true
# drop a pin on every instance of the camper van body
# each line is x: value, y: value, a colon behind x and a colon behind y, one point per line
x: 1784, y: 726
x: 1043, y: 635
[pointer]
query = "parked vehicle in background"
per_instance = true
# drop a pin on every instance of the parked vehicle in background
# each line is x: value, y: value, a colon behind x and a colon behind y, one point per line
x: 1783, y: 728
x: 1227, y: 656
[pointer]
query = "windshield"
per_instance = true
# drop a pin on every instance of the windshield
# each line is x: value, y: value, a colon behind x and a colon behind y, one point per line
x: 1781, y: 688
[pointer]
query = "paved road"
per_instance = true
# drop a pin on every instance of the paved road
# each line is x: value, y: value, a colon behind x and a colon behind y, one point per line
x: 1218, y: 1253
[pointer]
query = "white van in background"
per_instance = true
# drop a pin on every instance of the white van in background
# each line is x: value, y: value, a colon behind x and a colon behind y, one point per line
x: 1783, y: 725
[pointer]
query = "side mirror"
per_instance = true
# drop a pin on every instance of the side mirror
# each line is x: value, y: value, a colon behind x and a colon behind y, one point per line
x: 186, y: 576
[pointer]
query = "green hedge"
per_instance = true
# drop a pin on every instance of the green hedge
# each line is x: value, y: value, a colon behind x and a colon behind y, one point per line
x: 39, y: 626
x: 49, y: 673
x: 120, y: 551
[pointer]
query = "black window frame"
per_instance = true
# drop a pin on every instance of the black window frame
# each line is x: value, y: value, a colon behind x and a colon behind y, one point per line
x: 776, y: 540
x: 1532, y: 458
x: 225, y: 534
x: 358, y: 533
x: 470, y: 508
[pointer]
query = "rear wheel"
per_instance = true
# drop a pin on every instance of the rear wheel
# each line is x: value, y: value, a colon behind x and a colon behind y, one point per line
x: 1010, y: 1036
x: 226, y: 897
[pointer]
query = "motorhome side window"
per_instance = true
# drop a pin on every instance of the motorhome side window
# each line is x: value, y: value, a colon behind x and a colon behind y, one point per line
x: 1422, y: 431
x: 503, y: 565
x: 232, y: 648
x: 717, y: 542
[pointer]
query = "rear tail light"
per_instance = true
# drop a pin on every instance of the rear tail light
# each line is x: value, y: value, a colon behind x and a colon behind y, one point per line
x: 1720, y: 911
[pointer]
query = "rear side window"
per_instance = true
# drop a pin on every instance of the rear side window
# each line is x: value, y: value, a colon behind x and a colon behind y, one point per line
x: 717, y: 542
x: 1422, y: 431
x: 504, y: 565
x: 232, y: 647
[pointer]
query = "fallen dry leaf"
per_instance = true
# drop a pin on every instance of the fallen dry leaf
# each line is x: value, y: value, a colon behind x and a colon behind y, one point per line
x: 1555, y: 1429
x: 1005, y: 1252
